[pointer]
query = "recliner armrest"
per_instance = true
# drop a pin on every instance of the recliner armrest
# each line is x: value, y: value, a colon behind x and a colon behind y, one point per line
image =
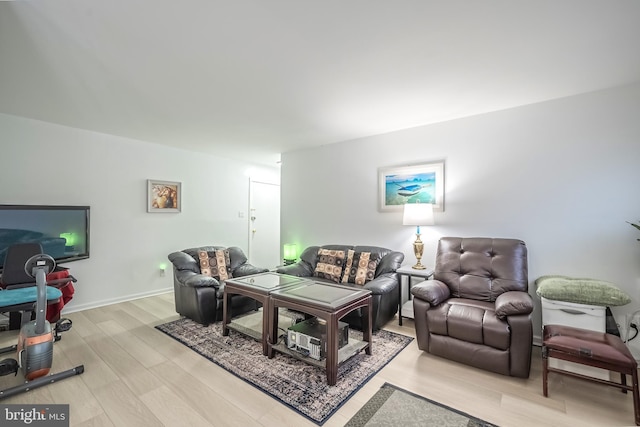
x: 513, y: 302
x: 432, y: 291
x: 247, y: 269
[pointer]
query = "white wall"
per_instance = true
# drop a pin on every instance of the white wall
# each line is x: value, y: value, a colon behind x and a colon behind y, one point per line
x: 49, y: 164
x: 562, y: 175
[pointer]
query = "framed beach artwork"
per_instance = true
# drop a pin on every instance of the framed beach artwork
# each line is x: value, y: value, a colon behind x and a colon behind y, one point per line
x: 423, y: 183
x: 164, y: 196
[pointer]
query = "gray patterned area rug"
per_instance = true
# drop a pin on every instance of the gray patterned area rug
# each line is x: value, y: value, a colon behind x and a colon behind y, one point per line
x: 300, y: 386
x: 393, y: 406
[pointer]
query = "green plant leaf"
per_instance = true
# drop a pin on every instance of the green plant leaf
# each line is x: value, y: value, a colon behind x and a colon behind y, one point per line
x: 634, y: 225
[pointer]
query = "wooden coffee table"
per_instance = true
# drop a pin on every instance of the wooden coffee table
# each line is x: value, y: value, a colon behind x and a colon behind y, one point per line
x: 258, y: 287
x: 329, y: 303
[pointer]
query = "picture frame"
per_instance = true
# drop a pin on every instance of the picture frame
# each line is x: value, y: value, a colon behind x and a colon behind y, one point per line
x: 164, y: 196
x: 420, y: 183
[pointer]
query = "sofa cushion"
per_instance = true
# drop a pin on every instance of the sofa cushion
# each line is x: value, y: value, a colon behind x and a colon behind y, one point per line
x: 470, y: 321
x: 330, y: 264
x: 237, y: 257
x: 215, y: 263
x: 360, y: 267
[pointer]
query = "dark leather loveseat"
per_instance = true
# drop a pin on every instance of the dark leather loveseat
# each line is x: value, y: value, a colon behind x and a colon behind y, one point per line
x: 383, y: 283
x: 477, y: 309
x: 198, y: 296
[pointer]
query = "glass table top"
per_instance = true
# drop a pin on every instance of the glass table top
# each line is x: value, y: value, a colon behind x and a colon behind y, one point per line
x: 266, y: 281
x: 321, y: 294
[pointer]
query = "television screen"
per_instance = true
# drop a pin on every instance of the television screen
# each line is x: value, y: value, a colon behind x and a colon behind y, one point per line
x: 63, y: 231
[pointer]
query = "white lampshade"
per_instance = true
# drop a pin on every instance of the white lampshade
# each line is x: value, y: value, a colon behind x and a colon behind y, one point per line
x: 418, y: 214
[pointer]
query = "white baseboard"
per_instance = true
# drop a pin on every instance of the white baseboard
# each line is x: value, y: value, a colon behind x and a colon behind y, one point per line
x: 537, y: 340
x: 73, y: 308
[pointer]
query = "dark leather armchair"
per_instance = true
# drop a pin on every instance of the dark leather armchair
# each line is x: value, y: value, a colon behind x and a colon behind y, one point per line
x: 477, y: 309
x: 199, y: 297
x: 383, y: 287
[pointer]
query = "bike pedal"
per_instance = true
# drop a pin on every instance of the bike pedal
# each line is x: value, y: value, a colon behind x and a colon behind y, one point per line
x: 8, y: 366
x: 63, y: 325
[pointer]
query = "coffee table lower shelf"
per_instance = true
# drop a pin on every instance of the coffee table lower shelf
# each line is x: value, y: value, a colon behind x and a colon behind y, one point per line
x: 353, y: 347
x: 250, y: 324
x: 248, y: 331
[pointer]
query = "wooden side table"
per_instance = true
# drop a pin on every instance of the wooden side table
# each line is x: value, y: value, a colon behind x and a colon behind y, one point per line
x: 410, y: 272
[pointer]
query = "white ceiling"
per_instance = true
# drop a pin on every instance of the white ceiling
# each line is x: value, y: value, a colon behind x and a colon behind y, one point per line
x: 255, y: 78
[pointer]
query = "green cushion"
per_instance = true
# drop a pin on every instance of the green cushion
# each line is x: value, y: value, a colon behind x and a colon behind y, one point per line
x: 581, y: 291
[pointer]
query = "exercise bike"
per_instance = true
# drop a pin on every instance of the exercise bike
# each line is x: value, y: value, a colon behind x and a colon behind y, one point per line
x: 36, y: 338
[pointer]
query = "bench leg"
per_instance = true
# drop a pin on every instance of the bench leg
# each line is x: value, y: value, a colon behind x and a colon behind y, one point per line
x: 545, y: 371
x: 636, y: 396
x: 623, y: 381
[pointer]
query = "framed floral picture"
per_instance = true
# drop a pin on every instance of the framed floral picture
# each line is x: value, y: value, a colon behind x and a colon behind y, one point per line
x: 423, y: 183
x: 164, y: 196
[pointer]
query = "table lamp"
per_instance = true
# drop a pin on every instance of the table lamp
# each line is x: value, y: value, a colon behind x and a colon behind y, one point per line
x: 290, y: 253
x: 418, y: 214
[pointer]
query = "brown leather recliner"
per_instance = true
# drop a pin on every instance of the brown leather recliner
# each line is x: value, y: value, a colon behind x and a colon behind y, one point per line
x: 477, y: 309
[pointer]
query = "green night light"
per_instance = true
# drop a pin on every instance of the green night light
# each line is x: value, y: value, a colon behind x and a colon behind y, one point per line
x: 290, y: 253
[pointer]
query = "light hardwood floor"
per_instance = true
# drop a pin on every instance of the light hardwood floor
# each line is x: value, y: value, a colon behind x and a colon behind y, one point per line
x: 138, y: 376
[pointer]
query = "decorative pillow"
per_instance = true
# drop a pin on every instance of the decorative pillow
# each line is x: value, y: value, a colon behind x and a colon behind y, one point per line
x: 360, y: 268
x: 215, y: 264
x: 330, y: 264
x: 581, y: 291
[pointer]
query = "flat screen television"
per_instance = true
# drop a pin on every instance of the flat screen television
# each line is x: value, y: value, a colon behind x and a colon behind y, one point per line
x: 63, y: 231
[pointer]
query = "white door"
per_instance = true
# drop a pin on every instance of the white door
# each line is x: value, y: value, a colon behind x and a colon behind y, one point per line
x: 264, y: 224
